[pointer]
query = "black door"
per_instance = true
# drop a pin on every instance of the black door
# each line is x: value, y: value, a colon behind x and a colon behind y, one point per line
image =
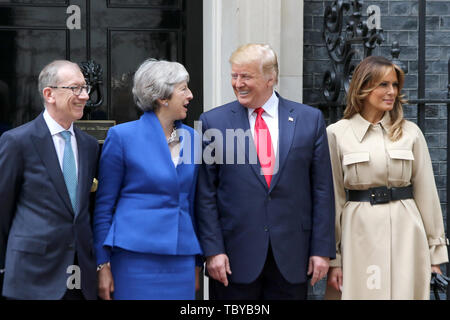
x: 117, y: 34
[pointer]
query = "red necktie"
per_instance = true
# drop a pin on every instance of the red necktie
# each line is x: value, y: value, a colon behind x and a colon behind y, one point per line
x: 264, y: 146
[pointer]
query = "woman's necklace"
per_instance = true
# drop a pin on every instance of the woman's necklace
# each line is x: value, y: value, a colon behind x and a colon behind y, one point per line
x: 173, y: 136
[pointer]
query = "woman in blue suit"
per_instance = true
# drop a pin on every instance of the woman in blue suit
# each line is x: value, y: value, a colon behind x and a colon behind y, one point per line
x: 144, y: 228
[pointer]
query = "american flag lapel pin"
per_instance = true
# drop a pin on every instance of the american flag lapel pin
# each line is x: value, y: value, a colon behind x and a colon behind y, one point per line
x: 291, y: 119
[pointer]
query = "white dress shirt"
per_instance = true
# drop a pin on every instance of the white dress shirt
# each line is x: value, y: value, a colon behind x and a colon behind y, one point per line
x: 270, y: 116
x: 58, y: 140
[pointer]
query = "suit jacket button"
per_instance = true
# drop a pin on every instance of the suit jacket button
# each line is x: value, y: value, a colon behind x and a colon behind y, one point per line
x: 266, y: 228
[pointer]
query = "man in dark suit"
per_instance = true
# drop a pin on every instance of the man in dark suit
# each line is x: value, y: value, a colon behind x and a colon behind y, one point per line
x: 268, y: 222
x: 47, y: 168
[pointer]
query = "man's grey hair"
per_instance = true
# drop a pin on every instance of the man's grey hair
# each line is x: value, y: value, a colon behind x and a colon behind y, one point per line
x: 156, y: 79
x: 49, y: 75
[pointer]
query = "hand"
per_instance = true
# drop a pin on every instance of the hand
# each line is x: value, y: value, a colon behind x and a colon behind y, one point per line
x: 335, y: 278
x: 318, y: 267
x: 436, y: 269
x: 197, y: 277
x: 218, y: 266
x: 105, y: 283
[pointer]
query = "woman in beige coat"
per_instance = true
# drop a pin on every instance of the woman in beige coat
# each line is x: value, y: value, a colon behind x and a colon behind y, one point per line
x: 389, y: 226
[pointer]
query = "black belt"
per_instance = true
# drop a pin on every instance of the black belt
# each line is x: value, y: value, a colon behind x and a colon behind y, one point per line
x: 380, y: 195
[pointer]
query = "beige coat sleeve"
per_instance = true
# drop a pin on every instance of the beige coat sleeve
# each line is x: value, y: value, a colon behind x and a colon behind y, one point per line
x: 427, y: 200
x: 339, y: 192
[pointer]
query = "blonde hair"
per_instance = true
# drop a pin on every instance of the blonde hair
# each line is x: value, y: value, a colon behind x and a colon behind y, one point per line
x: 262, y: 53
x: 366, y: 77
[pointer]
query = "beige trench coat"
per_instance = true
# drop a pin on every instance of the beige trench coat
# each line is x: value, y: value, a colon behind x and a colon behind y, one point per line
x: 385, y: 250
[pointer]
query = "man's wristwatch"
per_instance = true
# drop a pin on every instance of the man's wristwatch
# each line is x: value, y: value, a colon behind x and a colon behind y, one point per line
x: 101, y: 266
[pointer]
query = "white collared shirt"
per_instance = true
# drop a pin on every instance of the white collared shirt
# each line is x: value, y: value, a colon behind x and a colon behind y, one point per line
x: 270, y: 116
x: 55, y: 130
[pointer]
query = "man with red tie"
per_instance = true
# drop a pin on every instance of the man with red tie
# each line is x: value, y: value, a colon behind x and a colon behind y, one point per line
x: 267, y: 223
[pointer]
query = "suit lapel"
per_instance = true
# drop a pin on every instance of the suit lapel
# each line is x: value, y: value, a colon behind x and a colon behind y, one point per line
x: 46, y: 149
x: 286, y: 128
x: 240, y: 121
x: 82, y: 168
x: 155, y: 141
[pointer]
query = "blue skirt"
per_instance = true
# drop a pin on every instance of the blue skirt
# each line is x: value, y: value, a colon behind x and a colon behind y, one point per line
x: 146, y: 276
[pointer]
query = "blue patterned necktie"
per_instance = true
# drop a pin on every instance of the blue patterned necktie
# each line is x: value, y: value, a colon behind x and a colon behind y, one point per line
x: 69, y: 170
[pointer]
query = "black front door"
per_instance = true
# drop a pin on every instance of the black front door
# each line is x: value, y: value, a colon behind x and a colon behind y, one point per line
x: 117, y: 34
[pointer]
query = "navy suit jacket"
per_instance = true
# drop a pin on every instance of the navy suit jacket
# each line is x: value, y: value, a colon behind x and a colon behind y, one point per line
x: 239, y: 215
x: 39, y: 231
x: 145, y: 204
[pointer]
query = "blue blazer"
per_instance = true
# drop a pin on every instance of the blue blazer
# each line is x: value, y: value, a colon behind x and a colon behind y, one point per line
x: 239, y: 215
x: 145, y: 204
x: 39, y: 231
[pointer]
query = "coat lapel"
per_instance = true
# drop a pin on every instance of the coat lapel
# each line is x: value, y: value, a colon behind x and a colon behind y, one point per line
x: 46, y: 149
x: 83, y: 169
x: 156, y: 147
x: 240, y: 121
x: 286, y: 128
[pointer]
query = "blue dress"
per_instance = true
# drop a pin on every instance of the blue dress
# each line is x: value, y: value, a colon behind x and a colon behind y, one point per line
x: 143, y: 219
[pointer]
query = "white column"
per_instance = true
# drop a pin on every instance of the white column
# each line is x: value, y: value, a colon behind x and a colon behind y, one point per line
x: 227, y: 24
x: 212, y: 68
x: 212, y: 53
x: 260, y: 22
x: 291, y: 52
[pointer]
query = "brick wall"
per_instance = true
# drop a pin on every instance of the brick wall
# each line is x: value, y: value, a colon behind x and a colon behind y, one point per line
x: 399, y: 21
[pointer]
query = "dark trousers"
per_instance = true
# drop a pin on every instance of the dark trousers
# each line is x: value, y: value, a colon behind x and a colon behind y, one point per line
x: 270, y: 285
x: 74, y: 294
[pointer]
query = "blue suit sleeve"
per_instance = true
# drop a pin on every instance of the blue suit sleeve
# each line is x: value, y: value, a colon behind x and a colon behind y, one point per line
x: 199, y: 259
x: 111, y: 172
x: 322, y: 238
x: 207, y: 213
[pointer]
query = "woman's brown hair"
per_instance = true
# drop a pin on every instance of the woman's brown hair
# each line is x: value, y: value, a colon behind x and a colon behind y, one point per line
x: 366, y: 77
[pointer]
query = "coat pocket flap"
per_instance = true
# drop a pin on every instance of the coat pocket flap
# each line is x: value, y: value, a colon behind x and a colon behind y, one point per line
x: 355, y: 157
x: 29, y: 245
x: 401, y: 154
